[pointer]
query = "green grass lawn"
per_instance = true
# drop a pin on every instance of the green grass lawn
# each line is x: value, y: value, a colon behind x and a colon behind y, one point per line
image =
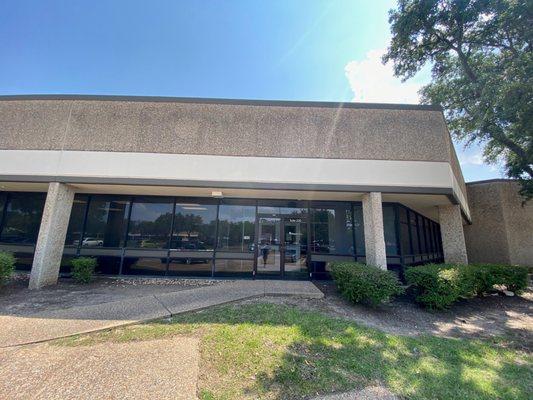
x: 280, y: 352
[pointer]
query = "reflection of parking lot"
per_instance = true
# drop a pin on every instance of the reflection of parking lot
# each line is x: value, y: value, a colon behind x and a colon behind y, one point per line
x: 238, y: 266
x: 199, y: 265
x: 273, y: 263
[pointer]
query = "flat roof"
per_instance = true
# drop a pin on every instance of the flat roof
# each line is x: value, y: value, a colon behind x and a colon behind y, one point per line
x: 247, y: 102
x: 496, y: 180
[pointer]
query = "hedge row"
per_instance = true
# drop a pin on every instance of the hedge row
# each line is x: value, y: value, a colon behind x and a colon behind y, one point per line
x: 437, y: 286
x: 365, y: 284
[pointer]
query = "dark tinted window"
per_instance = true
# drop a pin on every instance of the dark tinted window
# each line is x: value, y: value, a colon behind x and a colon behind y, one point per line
x: 190, y: 266
x: 106, y: 221
x: 3, y: 197
x: 234, y: 267
x: 403, y: 215
x: 422, y: 234
x: 431, y: 236
x: 151, y: 219
x: 75, y: 224
x: 23, y: 218
x: 389, y: 226
x: 108, y: 265
x: 331, y: 228
x: 144, y: 266
x: 194, y: 226
x: 359, y: 228
x: 236, y: 228
x: 414, y: 232
x: 404, y: 239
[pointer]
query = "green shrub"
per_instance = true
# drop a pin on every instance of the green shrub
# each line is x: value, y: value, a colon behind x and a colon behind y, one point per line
x: 7, y: 266
x: 437, y: 286
x: 83, y: 269
x: 514, y: 278
x: 440, y: 285
x: 365, y: 284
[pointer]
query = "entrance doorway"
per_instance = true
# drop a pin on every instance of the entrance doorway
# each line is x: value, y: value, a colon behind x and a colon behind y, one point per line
x: 282, y: 245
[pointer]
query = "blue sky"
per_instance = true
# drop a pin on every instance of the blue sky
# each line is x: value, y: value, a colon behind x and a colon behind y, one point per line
x: 277, y: 49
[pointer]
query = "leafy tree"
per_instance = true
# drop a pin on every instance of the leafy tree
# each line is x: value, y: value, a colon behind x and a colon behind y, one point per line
x: 482, y: 71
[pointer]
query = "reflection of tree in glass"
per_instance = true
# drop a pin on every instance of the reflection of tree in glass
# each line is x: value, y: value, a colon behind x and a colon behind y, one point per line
x: 23, y: 217
x: 151, y: 234
x: 192, y: 229
x: 75, y: 224
x: 321, y: 229
x: 232, y: 234
x: 106, y: 221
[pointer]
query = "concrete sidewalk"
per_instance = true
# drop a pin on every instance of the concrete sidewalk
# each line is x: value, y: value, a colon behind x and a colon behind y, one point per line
x: 165, y: 369
x: 17, y: 330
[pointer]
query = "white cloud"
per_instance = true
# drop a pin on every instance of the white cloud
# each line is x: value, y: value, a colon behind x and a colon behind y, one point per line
x: 473, y: 159
x: 373, y: 82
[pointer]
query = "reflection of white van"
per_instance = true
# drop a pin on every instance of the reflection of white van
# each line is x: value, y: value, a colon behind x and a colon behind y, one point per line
x: 92, y: 242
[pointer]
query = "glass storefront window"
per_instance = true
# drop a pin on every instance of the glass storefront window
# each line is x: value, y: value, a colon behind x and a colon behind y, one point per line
x: 75, y: 224
x: 414, y: 233
x: 194, y: 226
x: 106, y: 222
x: 151, y: 219
x: 22, y: 218
x: 193, y: 247
x: 189, y: 266
x: 234, y: 267
x: 23, y: 260
x: 3, y: 197
x: 236, y: 228
x: 422, y: 234
x: 404, y: 239
x: 429, y: 231
x: 425, y: 237
x: 282, y: 208
x: 359, y: 228
x: 108, y: 265
x: 389, y: 227
x: 144, y: 266
x: 331, y: 228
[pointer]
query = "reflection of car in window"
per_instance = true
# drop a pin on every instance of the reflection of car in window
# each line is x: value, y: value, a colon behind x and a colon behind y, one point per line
x: 90, y: 241
x: 149, y: 244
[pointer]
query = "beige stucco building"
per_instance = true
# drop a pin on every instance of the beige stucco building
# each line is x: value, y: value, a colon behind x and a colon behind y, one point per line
x: 502, y: 224
x: 208, y: 187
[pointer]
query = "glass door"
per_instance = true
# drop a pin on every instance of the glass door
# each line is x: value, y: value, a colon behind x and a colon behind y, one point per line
x: 294, y: 247
x: 282, y: 247
x: 269, y: 247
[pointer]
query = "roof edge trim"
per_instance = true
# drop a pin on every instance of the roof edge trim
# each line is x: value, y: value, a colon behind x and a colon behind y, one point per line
x: 223, y: 101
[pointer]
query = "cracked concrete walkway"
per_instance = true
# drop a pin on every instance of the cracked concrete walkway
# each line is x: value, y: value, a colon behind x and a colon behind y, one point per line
x: 46, y: 325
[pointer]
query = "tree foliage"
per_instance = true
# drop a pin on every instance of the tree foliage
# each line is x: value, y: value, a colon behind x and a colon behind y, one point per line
x: 482, y: 71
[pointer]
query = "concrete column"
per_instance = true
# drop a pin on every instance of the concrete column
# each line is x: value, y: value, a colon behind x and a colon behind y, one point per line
x: 453, y: 237
x: 374, y: 234
x: 52, y: 233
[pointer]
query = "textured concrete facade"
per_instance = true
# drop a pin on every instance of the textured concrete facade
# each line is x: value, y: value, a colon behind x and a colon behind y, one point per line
x: 206, y: 128
x: 52, y: 233
x: 311, y: 130
x: 374, y: 233
x: 453, y: 238
x: 502, y: 227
